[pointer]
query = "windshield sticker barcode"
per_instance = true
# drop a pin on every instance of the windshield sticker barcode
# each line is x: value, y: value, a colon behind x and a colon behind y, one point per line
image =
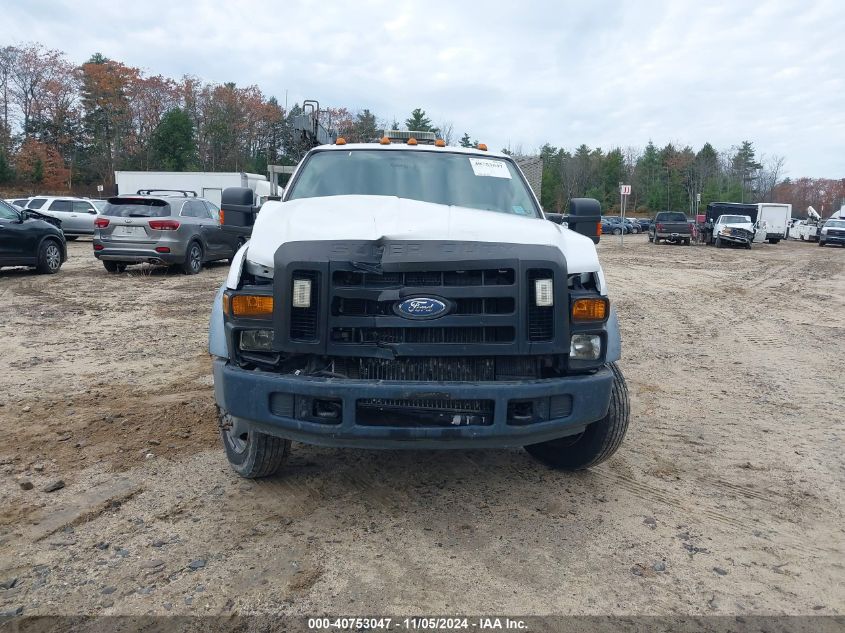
x: 490, y: 168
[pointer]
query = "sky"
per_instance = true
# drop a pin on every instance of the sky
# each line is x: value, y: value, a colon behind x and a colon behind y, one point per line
x: 511, y: 74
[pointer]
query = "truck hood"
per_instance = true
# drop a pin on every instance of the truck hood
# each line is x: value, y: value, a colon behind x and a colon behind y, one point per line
x: 748, y: 226
x: 381, y: 217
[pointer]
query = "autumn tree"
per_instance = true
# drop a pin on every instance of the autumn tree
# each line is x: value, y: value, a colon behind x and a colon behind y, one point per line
x: 8, y: 61
x: 34, y: 66
x: 39, y: 165
x: 108, y: 117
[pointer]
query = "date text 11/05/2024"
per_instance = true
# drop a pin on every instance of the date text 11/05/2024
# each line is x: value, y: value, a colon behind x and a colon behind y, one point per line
x: 417, y: 624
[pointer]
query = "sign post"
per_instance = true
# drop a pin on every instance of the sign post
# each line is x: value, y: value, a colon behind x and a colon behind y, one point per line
x: 624, y: 192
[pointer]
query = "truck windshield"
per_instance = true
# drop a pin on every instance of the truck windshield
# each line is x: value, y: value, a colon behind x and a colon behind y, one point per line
x: 477, y: 182
x: 836, y: 224
x: 735, y: 219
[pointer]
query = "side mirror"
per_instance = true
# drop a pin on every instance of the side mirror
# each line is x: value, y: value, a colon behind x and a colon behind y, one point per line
x: 92, y: 211
x: 584, y: 217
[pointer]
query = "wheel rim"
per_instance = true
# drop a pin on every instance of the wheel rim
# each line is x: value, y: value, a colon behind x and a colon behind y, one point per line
x: 196, y: 258
x: 235, y: 434
x: 53, y: 257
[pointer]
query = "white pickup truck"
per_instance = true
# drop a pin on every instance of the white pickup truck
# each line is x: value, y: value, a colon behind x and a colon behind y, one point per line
x: 734, y: 229
x: 410, y: 295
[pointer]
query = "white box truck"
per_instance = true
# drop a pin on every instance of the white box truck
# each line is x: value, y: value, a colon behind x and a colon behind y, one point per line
x: 776, y: 217
x: 206, y: 184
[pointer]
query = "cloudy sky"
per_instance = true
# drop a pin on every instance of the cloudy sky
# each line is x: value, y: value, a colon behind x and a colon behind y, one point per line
x: 510, y: 73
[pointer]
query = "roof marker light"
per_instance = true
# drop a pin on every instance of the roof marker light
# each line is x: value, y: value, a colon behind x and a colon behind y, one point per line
x: 482, y: 147
x: 340, y: 141
x: 384, y: 141
x: 440, y: 143
x: 412, y: 141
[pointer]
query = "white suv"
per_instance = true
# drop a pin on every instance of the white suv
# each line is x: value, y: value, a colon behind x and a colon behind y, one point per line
x: 76, y: 214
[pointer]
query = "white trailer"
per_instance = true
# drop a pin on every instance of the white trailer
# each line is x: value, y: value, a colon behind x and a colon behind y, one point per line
x: 775, y: 217
x: 206, y: 184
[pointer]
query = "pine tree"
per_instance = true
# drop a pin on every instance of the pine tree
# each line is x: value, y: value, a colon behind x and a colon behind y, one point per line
x: 364, y: 128
x: 419, y: 122
x: 173, y: 145
x: 465, y: 142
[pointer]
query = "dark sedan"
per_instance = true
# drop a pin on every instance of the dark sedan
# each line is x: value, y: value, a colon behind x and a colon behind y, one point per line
x: 27, y: 238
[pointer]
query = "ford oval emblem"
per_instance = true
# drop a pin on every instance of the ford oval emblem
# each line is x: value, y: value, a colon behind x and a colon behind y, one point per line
x: 421, y: 308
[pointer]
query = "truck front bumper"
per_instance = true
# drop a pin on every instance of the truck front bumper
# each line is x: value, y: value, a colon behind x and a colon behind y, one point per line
x: 268, y: 403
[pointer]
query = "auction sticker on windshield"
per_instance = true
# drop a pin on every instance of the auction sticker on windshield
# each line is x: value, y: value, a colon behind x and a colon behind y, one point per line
x: 490, y: 168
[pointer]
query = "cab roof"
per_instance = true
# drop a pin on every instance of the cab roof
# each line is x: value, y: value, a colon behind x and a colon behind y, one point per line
x: 393, y: 147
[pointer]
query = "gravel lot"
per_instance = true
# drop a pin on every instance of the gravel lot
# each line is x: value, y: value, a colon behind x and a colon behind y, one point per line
x: 726, y: 498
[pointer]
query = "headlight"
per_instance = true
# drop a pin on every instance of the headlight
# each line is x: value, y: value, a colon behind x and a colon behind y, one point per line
x: 301, y: 293
x: 257, y: 340
x: 585, y: 347
x: 543, y: 295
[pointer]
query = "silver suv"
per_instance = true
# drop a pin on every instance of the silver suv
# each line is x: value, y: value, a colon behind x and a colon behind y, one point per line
x: 170, y: 227
x: 76, y: 214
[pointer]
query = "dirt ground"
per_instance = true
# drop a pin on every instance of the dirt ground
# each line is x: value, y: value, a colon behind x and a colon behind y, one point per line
x: 725, y: 498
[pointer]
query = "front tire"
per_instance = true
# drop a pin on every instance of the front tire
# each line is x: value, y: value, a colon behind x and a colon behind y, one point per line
x: 822, y: 243
x: 599, y: 440
x: 718, y: 242
x: 251, y: 454
x: 49, y: 257
x: 193, y: 259
x: 617, y: 231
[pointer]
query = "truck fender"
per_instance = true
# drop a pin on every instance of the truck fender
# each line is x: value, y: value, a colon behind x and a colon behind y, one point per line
x: 216, y: 329
x: 614, y: 338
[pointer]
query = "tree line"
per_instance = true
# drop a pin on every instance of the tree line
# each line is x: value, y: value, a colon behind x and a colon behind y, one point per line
x: 67, y: 127
x: 679, y: 178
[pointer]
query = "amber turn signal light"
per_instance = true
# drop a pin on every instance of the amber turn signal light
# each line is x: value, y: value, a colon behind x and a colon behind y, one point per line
x: 592, y: 309
x: 248, y: 306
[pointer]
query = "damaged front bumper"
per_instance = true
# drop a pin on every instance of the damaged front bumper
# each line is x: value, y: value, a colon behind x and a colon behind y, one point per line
x: 371, y: 413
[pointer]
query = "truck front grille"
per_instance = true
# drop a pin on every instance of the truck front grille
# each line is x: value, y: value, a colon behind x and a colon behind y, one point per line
x: 344, y: 306
x: 417, y: 413
x: 422, y: 335
x: 440, y: 369
x: 422, y: 279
